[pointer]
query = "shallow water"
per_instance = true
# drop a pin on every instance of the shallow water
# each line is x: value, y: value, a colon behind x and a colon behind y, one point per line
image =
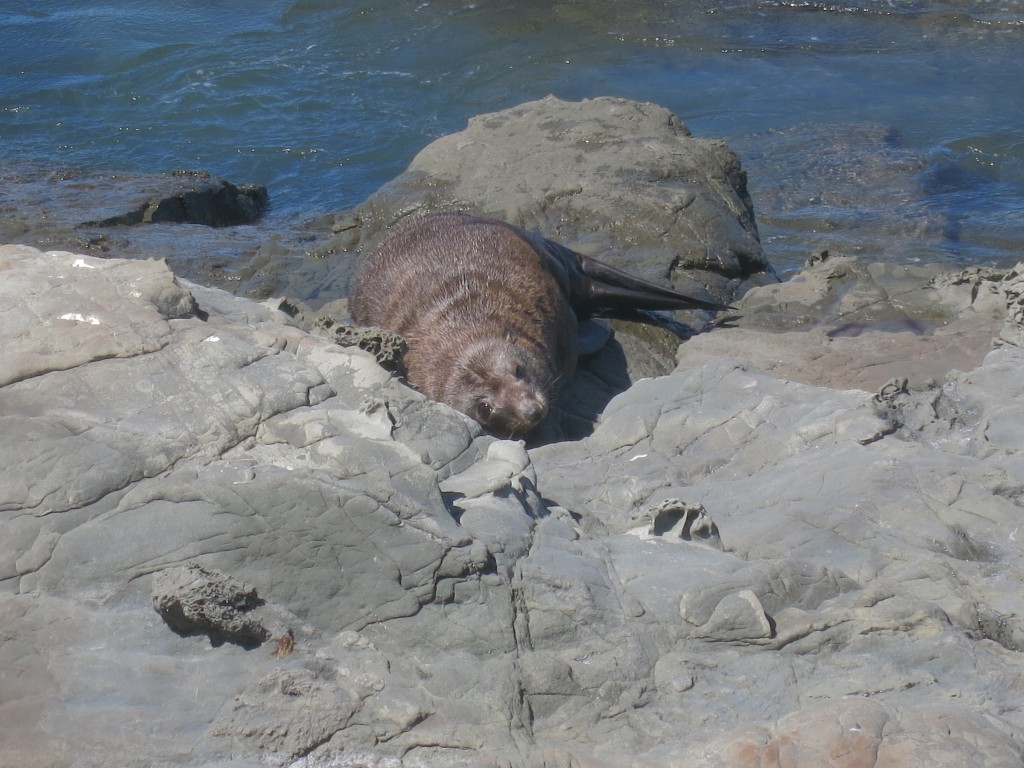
x: 892, y: 130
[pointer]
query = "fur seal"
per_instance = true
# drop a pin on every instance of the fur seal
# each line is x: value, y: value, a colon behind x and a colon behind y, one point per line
x: 489, y: 311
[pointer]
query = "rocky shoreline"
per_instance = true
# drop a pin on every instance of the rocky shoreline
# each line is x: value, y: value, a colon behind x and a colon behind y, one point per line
x: 791, y: 540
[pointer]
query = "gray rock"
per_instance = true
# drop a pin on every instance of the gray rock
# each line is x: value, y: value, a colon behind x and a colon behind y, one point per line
x: 738, y: 617
x: 867, y: 733
x: 75, y: 297
x: 844, y: 324
x: 287, y: 714
x: 621, y: 180
x: 737, y: 564
x: 674, y: 519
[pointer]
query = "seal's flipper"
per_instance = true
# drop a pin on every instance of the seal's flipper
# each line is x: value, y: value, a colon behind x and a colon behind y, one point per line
x: 604, y: 286
x: 590, y: 284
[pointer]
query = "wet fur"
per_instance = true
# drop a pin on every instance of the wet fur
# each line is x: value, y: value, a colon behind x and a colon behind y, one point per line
x: 488, y: 323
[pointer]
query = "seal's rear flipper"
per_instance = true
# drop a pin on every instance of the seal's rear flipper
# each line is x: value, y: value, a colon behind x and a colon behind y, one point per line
x: 604, y: 286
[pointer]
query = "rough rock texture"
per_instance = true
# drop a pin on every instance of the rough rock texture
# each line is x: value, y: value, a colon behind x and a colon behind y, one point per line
x: 195, y: 601
x: 737, y: 568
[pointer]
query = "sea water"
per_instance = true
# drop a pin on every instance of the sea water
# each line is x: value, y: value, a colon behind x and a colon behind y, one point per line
x: 892, y: 130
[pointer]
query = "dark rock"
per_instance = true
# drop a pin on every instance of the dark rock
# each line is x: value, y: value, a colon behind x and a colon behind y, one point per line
x: 193, y: 600
x: 211, y: 203
x: 192, y: 219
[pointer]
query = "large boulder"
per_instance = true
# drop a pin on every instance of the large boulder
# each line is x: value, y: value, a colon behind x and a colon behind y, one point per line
x: 621, y: 180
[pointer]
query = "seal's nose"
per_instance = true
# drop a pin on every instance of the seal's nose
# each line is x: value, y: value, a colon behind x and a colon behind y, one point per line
x: 532, y: 410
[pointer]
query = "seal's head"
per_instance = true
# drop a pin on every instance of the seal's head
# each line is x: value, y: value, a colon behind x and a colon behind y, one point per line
x: 500, y: 385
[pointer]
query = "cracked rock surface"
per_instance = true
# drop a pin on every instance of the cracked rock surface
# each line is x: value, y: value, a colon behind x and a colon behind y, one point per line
x: 741, y: 566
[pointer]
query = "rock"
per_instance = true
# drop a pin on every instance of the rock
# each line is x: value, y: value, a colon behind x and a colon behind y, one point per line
x: 286, y: 715
x: 621, y: 180
x: 75, y: 301
x: 437, y: 591
x: 1012, y: 287
x: 737, y: 567
x: 864, y: 734
x: 738, y: 617
x: 674, y: 519
x: 387, y: 347
x: 211, y: 203
x: 840, y: 323
x: 207, y: 228
x: 193, y: 600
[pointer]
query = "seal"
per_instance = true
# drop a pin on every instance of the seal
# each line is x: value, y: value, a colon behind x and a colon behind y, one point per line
x: 489, y: 311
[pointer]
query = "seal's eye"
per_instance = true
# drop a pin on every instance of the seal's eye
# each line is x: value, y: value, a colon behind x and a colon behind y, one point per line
x: 484, y: 410
x: 520, y: 372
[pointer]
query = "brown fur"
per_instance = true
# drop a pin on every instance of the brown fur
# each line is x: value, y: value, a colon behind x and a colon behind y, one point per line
x: 487, y: 319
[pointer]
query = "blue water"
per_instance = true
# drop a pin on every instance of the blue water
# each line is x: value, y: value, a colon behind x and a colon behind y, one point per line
x: 892, y: 130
